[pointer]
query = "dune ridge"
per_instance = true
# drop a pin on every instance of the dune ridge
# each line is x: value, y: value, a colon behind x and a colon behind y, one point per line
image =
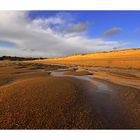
x: 129, y: 58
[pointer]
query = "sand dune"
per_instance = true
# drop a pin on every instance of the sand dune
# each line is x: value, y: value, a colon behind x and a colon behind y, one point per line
x: 120, y: 59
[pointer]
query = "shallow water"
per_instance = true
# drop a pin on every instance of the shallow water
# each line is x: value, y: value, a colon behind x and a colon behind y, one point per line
x: 104, y: 100
x: 100, y: 96
x: 99, y: 85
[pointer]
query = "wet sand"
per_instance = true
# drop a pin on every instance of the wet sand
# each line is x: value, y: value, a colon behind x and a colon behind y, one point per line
x: 111, y: 101
x: 40, y: 96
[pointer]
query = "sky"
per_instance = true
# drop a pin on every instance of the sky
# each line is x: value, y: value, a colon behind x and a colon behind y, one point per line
x: 62, y: 33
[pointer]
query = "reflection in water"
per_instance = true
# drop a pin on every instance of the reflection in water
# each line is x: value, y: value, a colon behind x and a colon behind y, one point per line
x: 101, y: 87
x: 102, y: 98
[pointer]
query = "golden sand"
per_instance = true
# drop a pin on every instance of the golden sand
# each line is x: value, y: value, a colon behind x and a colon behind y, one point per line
x: 120, y: 59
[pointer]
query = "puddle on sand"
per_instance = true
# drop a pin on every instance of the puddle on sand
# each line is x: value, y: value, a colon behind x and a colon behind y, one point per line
x: 100, y: 98
x: 101, y: 87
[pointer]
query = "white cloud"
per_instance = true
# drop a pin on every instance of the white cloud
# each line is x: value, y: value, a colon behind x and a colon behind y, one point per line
x: 44, y: 23
x: 37, y: 38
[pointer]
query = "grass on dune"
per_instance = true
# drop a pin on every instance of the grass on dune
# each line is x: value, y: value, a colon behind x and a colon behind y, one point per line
x: 120, y: 59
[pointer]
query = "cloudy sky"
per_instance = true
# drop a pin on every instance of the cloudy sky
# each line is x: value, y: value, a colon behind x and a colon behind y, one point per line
x: 61, y: 33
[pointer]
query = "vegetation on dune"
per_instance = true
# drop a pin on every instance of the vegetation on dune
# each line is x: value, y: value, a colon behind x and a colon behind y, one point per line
x: 16, y: 58
x: 120, y: 59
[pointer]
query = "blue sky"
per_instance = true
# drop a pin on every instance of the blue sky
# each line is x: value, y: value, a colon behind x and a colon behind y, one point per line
x: 60, y: 33
x: 6, y: 43
x: 100, y: 21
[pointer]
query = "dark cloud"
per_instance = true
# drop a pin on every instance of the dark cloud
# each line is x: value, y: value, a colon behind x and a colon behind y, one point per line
x: 112, y: 31
x: 79, y: 27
